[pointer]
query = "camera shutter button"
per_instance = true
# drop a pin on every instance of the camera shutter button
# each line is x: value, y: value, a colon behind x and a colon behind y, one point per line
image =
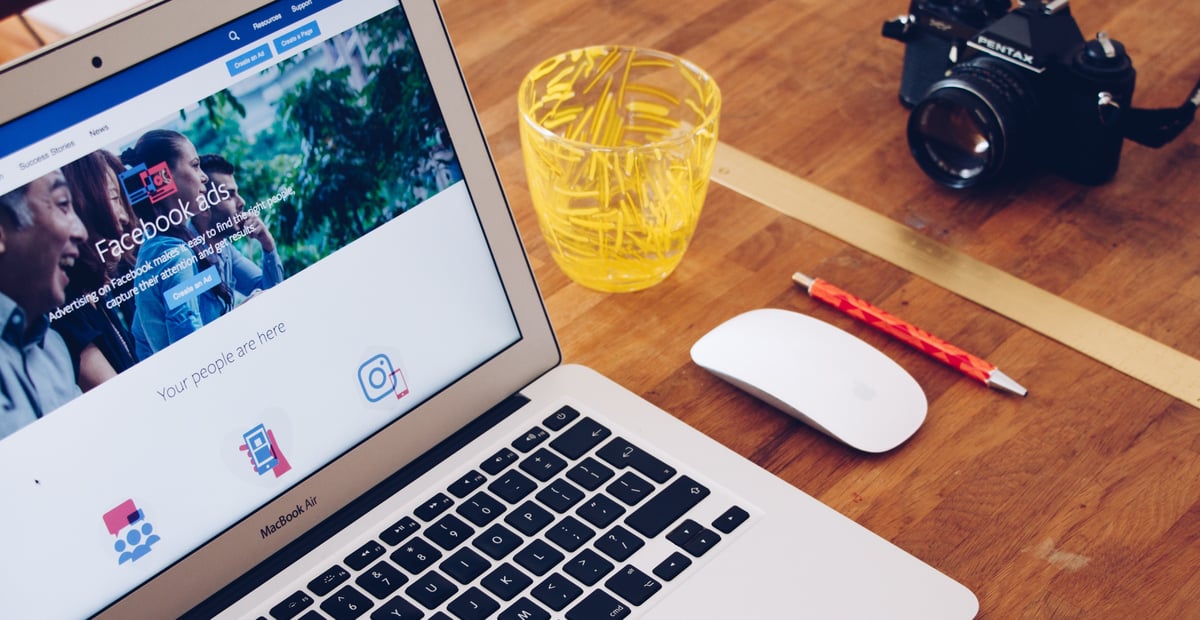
x: 1104, y: 61
x: 1104, y: 53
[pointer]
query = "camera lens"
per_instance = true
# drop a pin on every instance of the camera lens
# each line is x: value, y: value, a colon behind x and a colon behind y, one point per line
x: 972, y: 123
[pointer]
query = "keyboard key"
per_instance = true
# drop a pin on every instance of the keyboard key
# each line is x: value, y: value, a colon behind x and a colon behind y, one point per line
x: 561, y: 418
x: 312, y: 614
x: 630, y: 488
x: 529, y: 518
x: 398, y: 609
x: 556, y: 592
x: 600, y: 511
x: 621, y: 454
x: 328, y: 580
x: 588, y: 567
x: 449, y: 532
x: 346, y: 604
x: 569, y: 533
x: 433, y: 507
x: 470, y: 481
x: 473, y: 604
x: 465, y: 565
x: 365, y: 555
x: 431, y: 590
x: 291, y: 606
x: 667, y: 506
x: 599, y: 605
x: 704, y: 540
x: 543, y: 464
x: 530, y: 440
x: 506, y: 581
x: 499, y: 461
x: 513, y: 486
x: 619, y: 543
x: 633, y: 585
x: 538, y: 557
x: 730, y: 519
x: 590, y: 474
x: 416, y: 556
x: 481, y: 509
x: 399, y: 531
x: 684, y: 532
x: 382, y: 580
x: 560, y: 496
x: 580, y: 438
x: 497, y: 541
x: 670, y: 568
x: 524, y: 609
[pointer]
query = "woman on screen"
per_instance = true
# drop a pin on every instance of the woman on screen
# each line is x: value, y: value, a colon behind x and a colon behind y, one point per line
x: 96, y: 333
x: 178, y: 290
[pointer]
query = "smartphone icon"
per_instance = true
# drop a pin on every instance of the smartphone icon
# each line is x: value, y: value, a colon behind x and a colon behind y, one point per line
x: 259, y: 447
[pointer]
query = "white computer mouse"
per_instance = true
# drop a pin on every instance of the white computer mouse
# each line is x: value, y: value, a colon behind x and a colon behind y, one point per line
x: 817, y: 373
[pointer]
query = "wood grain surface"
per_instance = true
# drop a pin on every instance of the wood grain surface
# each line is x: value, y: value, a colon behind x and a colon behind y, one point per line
x: 1080, y: 500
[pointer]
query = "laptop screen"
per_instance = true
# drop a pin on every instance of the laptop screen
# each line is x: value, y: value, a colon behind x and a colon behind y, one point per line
x: 222, y: 269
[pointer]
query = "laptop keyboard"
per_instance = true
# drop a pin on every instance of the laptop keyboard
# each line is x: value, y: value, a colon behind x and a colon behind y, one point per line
x: 551, y: 525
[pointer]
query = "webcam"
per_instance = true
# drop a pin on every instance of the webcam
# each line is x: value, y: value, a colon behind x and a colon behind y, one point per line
x: 97, y: 61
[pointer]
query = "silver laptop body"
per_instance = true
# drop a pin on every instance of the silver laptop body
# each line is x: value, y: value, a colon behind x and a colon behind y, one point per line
x: 324, y: 428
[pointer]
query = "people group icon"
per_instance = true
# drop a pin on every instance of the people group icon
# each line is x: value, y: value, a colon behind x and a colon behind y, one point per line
x: 137, y: 542
x: 135, y: 535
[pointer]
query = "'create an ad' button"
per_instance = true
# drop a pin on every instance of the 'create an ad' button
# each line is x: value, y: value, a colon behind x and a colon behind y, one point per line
x: 192, y: 287
x: 248, y: 60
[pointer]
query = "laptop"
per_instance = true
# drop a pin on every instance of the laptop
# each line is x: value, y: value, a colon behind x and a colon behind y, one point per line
x: 273, y: 349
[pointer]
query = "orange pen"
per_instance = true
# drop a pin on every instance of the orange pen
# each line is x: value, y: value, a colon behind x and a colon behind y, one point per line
x: 966, y: 363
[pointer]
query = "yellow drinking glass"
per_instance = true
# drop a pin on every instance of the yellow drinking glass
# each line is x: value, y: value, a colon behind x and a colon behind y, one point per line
x: 618, y: 145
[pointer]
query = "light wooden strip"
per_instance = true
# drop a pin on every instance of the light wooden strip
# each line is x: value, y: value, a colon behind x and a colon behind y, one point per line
x: 1093, y: 335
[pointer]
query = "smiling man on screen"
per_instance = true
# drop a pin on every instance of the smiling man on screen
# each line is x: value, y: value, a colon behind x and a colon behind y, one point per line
x: 40, y: 236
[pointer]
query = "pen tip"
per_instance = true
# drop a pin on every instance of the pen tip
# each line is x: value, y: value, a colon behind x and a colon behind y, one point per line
x: 1001, y: 381
x: 802, y: 279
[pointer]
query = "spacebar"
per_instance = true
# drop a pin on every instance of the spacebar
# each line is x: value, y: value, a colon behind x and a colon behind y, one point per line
x: 665, y: 508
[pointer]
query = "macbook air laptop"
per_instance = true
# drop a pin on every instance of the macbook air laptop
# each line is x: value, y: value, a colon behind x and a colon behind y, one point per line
x: 272, y: 349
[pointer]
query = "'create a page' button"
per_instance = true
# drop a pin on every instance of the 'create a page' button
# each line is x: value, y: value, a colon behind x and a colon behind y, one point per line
x: 296, y: 37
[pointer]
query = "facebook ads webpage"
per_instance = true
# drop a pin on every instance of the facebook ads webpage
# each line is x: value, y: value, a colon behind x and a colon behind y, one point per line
x: 219, y: 271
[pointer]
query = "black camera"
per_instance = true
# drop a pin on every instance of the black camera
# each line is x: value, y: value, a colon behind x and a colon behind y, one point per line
x: 993, y: 90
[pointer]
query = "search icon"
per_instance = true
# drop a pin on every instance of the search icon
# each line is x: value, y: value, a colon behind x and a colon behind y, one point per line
x: 233, y: 36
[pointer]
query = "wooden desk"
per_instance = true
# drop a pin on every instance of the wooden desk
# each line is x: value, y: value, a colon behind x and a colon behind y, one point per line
x: 1080, y: 500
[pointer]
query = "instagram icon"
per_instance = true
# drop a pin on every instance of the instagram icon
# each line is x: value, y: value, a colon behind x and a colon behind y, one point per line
x: 379, y: 379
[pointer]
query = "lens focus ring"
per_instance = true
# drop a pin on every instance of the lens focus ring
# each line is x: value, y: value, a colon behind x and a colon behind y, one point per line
x: 970, y: 125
